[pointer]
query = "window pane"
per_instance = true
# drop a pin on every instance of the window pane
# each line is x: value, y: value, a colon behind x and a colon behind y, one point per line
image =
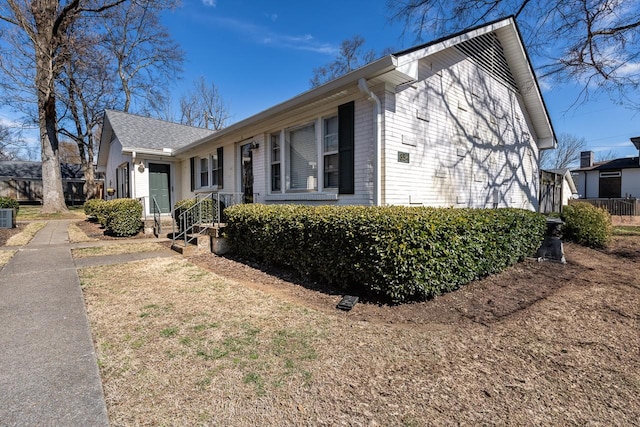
x: 275, y: 177
x: 204, y: 172
x: 331, y: 134
x: 331, y: 171
x: 275, y: 148
x: 302, y: 158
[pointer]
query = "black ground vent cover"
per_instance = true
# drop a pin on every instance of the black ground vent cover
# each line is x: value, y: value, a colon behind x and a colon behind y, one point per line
x: 347, y: 302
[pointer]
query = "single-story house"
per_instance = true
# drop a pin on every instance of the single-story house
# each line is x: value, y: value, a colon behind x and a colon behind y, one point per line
x: 455, y: 122
x: 556, y: 189
x: 611, y: 179
x: 22, y: 181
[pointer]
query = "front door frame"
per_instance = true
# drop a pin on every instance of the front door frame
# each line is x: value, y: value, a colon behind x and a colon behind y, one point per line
x: 246, y: 187
x: 169, y: 186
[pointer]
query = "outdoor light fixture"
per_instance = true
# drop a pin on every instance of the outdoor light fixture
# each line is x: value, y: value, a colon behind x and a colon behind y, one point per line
x: 254, y: 145
x: 141, y: 167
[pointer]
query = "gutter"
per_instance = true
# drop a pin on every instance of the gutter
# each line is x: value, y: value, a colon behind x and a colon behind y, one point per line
x: 377, y: 162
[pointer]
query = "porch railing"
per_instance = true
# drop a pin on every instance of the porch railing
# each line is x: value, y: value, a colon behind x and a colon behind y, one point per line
x: 207, y: 211
x: 157, y: 223
x: 622, y: 207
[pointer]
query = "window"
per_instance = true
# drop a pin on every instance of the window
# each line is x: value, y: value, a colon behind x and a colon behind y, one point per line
x: 275, y: 163
x: 302, y: 157
x: 122, y: 180
x: 315, y: 156
x: 215, y: 170
x: 204, y: 172
x: 330, y: 152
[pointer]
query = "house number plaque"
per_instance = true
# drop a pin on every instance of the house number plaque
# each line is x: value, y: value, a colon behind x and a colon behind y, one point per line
x: 403, y: 157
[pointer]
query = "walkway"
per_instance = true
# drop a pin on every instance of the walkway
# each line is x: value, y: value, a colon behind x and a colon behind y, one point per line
x: 48, y: 370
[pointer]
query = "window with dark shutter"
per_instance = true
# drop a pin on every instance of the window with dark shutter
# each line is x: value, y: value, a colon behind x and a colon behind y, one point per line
x: 346, y: 136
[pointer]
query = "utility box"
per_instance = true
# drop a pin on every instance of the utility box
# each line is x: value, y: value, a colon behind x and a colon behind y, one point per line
x: 7, y: 218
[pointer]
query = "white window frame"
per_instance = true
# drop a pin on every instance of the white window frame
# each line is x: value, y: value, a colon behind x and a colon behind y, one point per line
x: 213, y: 171
x: 287, y: 163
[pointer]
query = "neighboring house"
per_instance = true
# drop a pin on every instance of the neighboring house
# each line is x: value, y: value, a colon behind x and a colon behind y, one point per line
x: 455, y: 122
x: 23, y: 181
x: 556, y: 189
x: 611, y: 179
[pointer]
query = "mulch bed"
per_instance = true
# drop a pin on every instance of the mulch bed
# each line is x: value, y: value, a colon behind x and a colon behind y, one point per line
x: 6, y: 233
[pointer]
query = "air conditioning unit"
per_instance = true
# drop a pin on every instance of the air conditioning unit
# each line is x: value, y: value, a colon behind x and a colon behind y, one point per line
x: 7, y: 218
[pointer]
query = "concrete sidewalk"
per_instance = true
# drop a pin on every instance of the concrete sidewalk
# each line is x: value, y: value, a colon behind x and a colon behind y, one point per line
x: 48, y: 369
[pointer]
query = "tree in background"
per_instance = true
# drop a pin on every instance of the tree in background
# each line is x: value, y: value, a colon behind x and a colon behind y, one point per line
x: 35, y: 36
x: 566, y: 154
x: 593, y: 42
x: 350, y: 57
x: 58, y: 62
x: 204, y: 107
x: 147, y: 59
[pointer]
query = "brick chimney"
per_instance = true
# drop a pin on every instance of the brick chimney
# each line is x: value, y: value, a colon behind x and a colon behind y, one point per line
x: 586, y: 159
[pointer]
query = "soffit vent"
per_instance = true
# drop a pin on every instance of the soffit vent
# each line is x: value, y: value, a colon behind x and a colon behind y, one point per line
x: 487, y: 52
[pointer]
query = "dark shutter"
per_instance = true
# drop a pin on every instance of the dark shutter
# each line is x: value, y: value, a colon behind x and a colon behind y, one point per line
x: 346, y: 135
x: 220, y: 171
x: 192, y: 166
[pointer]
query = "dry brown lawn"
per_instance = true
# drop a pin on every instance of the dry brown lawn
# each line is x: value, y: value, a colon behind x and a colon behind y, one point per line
x: 539, y: 344
x: 118, y: 249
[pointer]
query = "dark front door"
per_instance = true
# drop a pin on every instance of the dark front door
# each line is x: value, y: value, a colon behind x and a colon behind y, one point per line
x: 246, y: 168
x: 159, y: 187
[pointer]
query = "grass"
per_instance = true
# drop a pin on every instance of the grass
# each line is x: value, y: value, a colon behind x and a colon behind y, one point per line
x: 183, y: 346
x: 5, y: 256
x: 626, y: 230
x: 76, y: 235
x: 117, y: 249
x: 33, y: 212
x: 25, y: 236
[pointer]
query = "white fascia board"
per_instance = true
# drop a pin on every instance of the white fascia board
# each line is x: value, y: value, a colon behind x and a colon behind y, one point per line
x: 450, y: 42
x: 146, y: 151
x: 381, y: 66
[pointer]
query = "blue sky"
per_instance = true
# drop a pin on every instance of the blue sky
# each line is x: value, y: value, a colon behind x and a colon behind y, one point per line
x: 261, y: 53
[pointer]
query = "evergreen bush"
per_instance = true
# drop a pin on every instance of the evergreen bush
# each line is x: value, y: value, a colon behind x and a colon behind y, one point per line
x: 399, y: 253
x: 9, y: 203
x: 587, y: 225
x: 93, y: 208
x: 122, y: 217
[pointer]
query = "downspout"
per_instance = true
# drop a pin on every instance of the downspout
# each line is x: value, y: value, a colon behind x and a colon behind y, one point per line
x: 377, y: 161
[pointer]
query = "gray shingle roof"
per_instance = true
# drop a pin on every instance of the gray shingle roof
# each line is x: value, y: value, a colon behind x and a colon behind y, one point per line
x: 147, y: 133
x: 33, y: 170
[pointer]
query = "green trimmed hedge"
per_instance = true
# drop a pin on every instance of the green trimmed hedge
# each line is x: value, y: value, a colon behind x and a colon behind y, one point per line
x: 399, y: 253
x: 587, y: 225
x: 94, y: 208
x: 9, y: 203
x: 122, y: 217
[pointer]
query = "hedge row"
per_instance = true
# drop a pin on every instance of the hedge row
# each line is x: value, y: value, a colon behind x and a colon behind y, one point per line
x: 119, y: 217
x: 399, y: 253
x: 587, y: 225
x: 9, y: 203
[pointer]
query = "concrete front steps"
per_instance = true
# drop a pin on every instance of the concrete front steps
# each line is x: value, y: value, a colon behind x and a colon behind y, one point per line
x: 208, y: 239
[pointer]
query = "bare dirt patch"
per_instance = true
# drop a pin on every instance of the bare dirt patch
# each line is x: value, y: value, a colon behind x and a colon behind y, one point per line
x: 94, y: 230
x: 540, y: 343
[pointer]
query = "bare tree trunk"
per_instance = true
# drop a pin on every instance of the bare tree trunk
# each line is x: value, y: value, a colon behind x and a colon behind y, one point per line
x: 52, y: 193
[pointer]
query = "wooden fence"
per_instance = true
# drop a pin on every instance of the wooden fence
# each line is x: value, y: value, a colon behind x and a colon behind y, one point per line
x: 621, y: 207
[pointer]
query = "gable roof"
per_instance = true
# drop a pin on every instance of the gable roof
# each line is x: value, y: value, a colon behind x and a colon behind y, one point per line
x: 401, y: 68
x: 33, y: 170
x: 146, y: 134
x: 610, y: 165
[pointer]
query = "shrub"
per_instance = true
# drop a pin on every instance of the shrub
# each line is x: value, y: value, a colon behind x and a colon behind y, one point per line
x: 9, y: 203
x: 122, y: 217
x: 587, y: 225
x: 399, y: 253
x: 94, y: 208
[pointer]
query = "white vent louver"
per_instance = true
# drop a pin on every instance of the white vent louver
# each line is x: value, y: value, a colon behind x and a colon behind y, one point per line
x: 486, y: 51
